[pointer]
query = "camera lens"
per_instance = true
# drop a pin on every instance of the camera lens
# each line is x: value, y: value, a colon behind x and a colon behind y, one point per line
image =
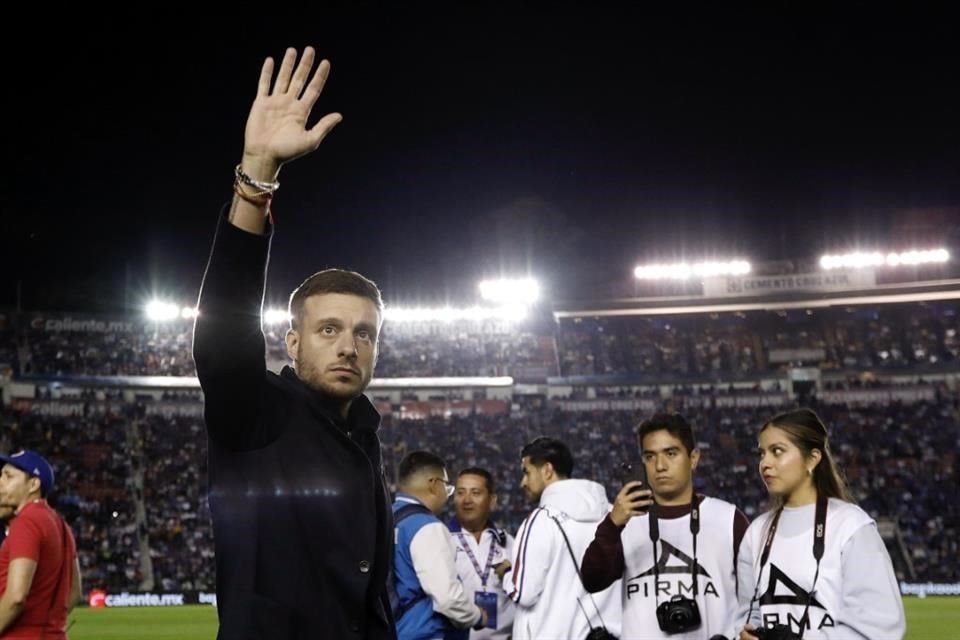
x: 678, y: 616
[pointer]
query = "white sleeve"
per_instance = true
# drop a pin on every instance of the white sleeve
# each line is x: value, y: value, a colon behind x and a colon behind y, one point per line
x: 530, y: 559
x: 505, y: 583
x: 746, y: 584
x: 872, y: 606
x: 433, y: 555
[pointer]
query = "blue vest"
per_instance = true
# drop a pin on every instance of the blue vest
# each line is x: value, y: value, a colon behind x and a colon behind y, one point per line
x: 419, y: 621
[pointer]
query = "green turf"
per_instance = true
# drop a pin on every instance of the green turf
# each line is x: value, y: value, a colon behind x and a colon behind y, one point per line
x: 932, y: 617
x: 145, y: 623
x: 927, y: 618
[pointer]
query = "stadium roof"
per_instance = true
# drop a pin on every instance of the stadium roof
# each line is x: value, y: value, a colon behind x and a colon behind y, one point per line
x: 792, y: 295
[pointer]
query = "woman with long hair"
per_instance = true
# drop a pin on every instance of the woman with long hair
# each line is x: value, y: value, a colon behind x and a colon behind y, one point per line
x: 814, y: 565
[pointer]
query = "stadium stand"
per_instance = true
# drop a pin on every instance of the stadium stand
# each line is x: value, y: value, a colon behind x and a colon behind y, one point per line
x: 113, y: 403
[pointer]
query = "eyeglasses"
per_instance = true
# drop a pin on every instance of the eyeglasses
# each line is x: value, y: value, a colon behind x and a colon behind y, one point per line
x: 449, y: 487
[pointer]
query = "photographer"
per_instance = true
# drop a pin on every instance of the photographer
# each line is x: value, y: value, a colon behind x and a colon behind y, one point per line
x: 675, y: 551
x: 814, y: 566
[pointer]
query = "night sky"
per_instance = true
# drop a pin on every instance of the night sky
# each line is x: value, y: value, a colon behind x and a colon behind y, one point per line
x: 568, y: 143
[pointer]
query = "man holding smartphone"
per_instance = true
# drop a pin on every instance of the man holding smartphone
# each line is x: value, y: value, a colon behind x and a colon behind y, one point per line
x: 675, y: 551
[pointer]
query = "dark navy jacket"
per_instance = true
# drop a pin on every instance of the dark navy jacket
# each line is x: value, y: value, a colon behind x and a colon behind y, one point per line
x: 301, y: 513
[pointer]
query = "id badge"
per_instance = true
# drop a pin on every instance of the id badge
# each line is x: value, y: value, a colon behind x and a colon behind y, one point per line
x: 487, y: 602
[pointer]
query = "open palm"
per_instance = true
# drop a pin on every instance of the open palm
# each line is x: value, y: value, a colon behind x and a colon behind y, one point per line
x: 276, y: 128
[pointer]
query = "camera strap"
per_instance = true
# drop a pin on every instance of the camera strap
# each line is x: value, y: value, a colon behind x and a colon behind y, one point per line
x: 576, y: 565
x: 819, y: 544
x: 655, y: 539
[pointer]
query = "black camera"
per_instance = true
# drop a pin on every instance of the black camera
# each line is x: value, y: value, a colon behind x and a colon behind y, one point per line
x: 776, y: 632
x: 600, y: 633
x: 678, y: 615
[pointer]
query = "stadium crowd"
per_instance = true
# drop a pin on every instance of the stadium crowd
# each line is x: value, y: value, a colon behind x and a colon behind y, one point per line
x: 132, y: 466
x: 713, y: 346
x: 900, y: 458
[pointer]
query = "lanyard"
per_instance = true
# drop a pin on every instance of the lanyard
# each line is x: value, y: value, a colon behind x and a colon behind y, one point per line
x: 485, y: 572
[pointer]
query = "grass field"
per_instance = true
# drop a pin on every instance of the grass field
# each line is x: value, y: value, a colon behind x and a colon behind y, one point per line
x: 930, y: 618
x: 197, y: 622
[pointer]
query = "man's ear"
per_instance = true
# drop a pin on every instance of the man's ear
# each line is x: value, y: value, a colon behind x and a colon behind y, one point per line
x: 694, y: 458
x: 292, y: 339
x: 548, y: 471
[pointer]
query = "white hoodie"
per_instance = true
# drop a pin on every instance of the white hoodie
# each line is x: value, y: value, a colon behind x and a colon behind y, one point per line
x: 544, y: 582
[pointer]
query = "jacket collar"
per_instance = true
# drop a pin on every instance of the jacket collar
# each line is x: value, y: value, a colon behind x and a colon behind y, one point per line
x: 407, y: 498
x: 498, y: 534
x: 362, y: 416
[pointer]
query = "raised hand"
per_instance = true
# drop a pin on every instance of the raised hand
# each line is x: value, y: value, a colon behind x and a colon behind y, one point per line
x: 633, y: 500
x: 276, y: 130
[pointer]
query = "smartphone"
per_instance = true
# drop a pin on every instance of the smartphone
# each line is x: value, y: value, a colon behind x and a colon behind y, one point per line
x: 635, y: 472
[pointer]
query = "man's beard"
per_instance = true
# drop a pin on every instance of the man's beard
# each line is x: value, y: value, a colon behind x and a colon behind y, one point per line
x: 313, y: 378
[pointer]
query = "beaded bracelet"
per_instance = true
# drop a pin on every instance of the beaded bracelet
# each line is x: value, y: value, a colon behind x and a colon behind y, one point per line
x: 266, y: 187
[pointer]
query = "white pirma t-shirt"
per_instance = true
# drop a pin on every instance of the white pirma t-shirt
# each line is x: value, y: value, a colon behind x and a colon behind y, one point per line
x: 856, y: 594
x: 716, y: 582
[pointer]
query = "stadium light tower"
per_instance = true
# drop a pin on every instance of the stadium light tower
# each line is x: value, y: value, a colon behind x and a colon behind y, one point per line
x: 512, y: 313
x: 160, y: 311
x: 510, y: 292
x: 684, y: 271
x: 276, y: 316
x: 861, y: 259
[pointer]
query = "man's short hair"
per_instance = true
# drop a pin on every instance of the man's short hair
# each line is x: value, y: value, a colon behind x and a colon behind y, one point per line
x: 332, y: 281
x: 674, y: 424
x: 417, y: 461
x: 546, y: 449
x: 483, y: 473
